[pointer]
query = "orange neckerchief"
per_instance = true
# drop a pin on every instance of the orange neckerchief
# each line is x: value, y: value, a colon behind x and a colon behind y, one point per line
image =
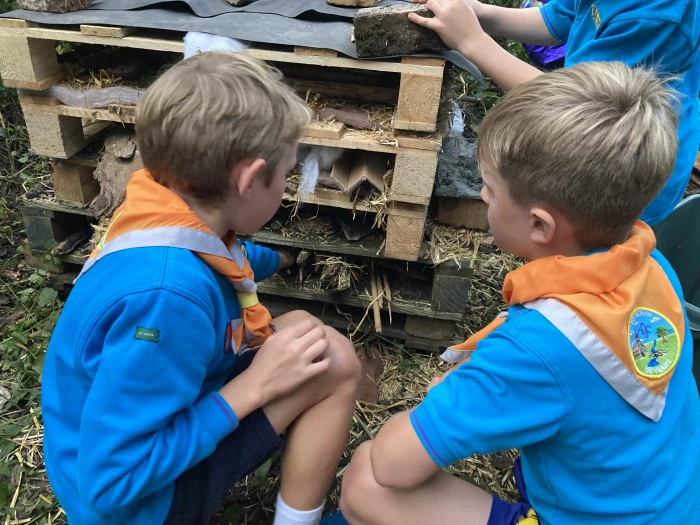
x: 605, y: 290
x: 149, y: 205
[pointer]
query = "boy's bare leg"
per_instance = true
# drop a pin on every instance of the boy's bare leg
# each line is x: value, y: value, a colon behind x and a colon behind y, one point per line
x: 318, y: 415
x: 443, y: 499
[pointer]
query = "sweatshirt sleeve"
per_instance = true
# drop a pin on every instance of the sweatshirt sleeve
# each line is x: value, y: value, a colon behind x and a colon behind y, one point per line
x: 559, y: 16
x: 144, y: 422
x: 264, y: 261
x: 504, y: 397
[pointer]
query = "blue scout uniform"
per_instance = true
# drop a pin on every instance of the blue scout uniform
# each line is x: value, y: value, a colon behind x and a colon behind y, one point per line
x: 145, y: 334
x: 589, y: 457
x: 664, y: 34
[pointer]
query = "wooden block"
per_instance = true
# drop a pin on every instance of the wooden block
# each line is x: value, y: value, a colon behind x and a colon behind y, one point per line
x: 325, y: 130
x: 425, y: 327
x: 74, y: 182
x: 414, y: 176
x: 54, y: 135
x: 353, y: 3
x: 113, y: 32
x: 14, y: 23
x: 414, y: 141
x: 450, y: 292
x: 404, y: 231
x: 419, y: 96
x: 46, y: 228
x: 331, y: 196
x: 387, y: 31
x: 314, y: 52
x: 31, y: 63
x: 468, y: 213
x: 372, y: 368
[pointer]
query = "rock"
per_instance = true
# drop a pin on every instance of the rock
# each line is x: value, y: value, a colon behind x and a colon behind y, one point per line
x: 54, y: 6
x: 387, y: 31
x: 458, y: 173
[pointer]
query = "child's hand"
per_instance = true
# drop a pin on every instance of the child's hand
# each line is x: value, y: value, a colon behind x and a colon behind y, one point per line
x: 455, y: 21
x: 437, y: 380
x: 289, y: 358
x: 287, y: 257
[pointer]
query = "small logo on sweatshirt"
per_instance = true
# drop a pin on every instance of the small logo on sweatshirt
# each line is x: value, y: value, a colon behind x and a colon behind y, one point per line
x: 147, y: 334
x: 654, y: 343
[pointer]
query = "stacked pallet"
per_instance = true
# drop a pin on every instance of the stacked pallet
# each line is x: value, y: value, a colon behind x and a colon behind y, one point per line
x: 406, y: 149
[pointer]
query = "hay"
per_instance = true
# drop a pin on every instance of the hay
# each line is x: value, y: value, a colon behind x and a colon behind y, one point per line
x: 451, y: 243
x: 337, y: 274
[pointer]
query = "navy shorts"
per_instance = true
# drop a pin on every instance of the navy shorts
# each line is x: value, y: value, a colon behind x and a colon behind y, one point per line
x: 199, y: 491
x: 503, y: 513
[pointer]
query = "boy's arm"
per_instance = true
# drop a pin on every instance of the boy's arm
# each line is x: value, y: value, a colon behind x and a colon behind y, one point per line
x: 264, y: 261
x: 522, y: 25
x: 143, y: 424
x: 458, y: 26
x: 504, y: 397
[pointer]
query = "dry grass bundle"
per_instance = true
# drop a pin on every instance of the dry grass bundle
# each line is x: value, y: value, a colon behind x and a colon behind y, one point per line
x: 306, y: 226
x: 337, y: 274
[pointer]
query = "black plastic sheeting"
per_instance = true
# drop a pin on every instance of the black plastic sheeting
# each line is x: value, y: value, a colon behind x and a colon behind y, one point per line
x: 319, y: 28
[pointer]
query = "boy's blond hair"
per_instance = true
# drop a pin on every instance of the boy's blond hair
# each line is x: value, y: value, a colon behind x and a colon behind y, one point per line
x: 596, y: 141
x: 210, y: 111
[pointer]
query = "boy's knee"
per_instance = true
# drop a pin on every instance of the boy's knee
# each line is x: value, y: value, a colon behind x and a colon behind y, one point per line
x: 358, y: 483
x: 345, y: 365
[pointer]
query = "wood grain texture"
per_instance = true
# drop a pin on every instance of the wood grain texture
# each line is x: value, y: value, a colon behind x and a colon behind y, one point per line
x: 74, y: 182
x: 414, y: 176
x: 107, y: 31
x: 54, y: 135
x: 419, y: 96
x: 404, y: 231
x: 28, y: 63
x: 450, y: 292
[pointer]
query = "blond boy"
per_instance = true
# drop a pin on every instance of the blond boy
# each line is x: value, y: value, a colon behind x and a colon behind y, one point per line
x: 569, y: 160
x: 156, y: 398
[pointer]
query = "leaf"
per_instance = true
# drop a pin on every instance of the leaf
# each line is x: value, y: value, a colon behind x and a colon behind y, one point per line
x: 23, y: 159
x: 4, y: 493
x: 11, y: 430
x: 259, y: 477
x: 234, y: 514
x: 46, y: 296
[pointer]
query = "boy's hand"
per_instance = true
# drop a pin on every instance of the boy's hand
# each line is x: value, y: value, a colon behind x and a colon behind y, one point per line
x: 289, y: 358
x: 455, y: 21
x: 287, y: 257
x: 437, y: 380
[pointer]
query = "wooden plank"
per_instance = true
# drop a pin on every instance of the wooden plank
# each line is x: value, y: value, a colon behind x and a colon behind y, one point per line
x: 350, y: 298
x: 468, y: 213
x: 404, y: 231
x: 353, y: 3
x: 367, y: 247
x: 178, y: 46
x: 315, y: 52
x: 74, y: 182
x: 378, y: 95
x: 53, y: 135
x: 107, y: 31
x: 435, y: 329
x: 325, y: 130
x: 341, y: 200
x: 27, y: 63
x: 46, y: 228
x: 450, y: 291
x: 419, y: 96
x: 414, y: 176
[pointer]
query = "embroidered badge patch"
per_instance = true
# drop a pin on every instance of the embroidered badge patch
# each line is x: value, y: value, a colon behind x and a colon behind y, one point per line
x: 596, y: 16
x: 228, y: 338
x: 147, y: 334
x: 654, y: 343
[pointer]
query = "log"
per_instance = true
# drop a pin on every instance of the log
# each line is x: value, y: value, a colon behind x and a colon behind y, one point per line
x: 387, y: 31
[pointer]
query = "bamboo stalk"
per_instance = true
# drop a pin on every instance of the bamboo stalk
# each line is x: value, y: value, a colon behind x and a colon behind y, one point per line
x: 387, y: 294
x: 375, y: 303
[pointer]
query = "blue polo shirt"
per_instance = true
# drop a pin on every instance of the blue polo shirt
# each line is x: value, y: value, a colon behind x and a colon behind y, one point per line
x: 130, y: 381
x: 664, y: 34
x: 588, y: 457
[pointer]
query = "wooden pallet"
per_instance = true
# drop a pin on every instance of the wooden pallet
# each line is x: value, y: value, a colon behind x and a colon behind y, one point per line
x: 440, y: 293
x: 33, y: 65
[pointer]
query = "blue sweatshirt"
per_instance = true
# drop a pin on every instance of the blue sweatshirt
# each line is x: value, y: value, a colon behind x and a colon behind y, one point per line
x: 588, y: 456
x: 664, y: 34
x: 130, y: 381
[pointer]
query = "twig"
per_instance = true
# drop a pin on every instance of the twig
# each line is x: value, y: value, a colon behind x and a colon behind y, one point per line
x: 375, y: 303
x: 387, y: 294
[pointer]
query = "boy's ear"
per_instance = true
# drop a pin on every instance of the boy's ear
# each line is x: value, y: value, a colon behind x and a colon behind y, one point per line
x: 542, y: 226
x: 243, y: 175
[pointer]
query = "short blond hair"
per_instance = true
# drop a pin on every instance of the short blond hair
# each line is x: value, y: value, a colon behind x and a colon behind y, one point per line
x: 596, y: 141
x: 210, y: 111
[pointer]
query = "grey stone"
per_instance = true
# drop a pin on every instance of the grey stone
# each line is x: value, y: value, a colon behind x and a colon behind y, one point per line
x: 54, y: 6
x: 458, y: 173
x: 387, y: 31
